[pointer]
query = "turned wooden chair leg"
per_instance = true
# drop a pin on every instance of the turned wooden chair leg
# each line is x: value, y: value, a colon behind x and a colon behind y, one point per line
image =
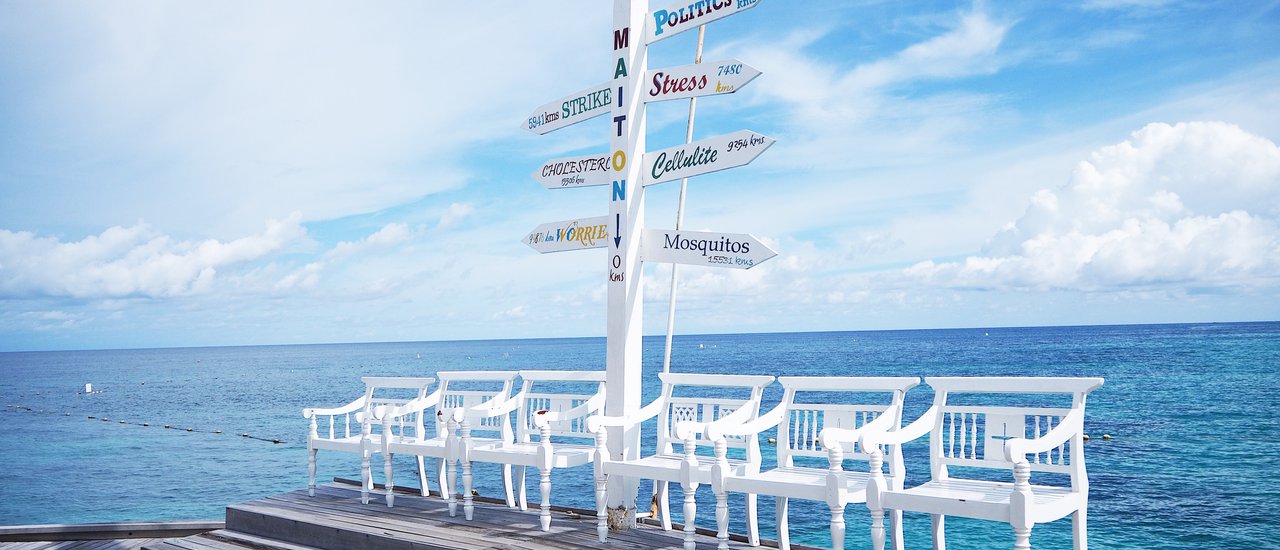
x: 1079, y: 528
x: 387, y: 472
x: 938, y: 524
x: 781, y: 504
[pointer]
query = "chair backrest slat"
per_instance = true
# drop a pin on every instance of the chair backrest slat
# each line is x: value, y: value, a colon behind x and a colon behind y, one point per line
x: 846, y: 402
x: 539, y: 387
x: 709, y: 405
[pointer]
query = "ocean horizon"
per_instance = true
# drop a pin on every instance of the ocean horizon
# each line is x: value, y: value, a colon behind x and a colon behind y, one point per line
x: 1189, y: 407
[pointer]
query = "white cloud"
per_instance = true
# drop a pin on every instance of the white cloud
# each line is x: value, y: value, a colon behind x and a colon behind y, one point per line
x: 129, y: 262
x: 1192, y: 203
x: 456, y: 213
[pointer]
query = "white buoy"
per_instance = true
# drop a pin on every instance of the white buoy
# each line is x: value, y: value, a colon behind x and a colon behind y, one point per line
x: 88, y: 388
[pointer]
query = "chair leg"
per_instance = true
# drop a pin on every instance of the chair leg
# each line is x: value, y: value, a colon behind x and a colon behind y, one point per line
x: 1079, y: 528
x: 468, y: 499
x: 440, y: 477
x: 522, y: 492
x: 664, y: 506
x: 311, y: 473
x: 837, y: 527
x: 1021, y: 538
x: 938, y: 522
x: 544, y: 515
x: 722, y: 519
x: 781, y: 504
x: 451, y: 483
x: 422, y: 476
x: 877, y: 528
x: 690, y: 512
x: 506, y: 482
x: 366, y: 477
x: 895, y: 522
x: 753, y: 528
x: 387, y: 472
x: 602, y: 510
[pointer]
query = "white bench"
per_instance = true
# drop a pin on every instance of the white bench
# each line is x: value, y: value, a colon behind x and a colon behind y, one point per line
x: 405, y: 433
x: 379, y: 391
x: 983, y: 432
x: 665, y: 466
x: 817, y: 418
x: 544, y: 407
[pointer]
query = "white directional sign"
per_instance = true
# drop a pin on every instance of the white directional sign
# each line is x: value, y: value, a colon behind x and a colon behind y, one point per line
x: 704, y: 156
x: 581, y: 171
x: 736, y: 250
x: 688, y: 14
x: 698, y: 79
x: 579, y: 234
x: 571, y: 109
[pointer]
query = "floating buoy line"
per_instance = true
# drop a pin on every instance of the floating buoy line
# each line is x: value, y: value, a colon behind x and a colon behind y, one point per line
x: 179, y: 428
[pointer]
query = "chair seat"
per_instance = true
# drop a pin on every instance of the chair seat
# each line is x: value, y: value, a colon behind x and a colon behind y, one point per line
x: 797, y: 482
x: 978, y: 499
x: 433, y: 446
x: 666, y: 467
x: 564, y: 455
x: 350, y: 444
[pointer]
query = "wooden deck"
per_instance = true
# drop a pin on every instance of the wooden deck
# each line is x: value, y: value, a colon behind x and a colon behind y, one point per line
x: 334, y: 519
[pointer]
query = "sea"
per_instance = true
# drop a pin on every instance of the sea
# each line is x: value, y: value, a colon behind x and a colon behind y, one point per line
x: 1192, y: 460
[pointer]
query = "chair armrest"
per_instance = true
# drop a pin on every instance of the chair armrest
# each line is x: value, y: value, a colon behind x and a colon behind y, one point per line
x: 830, y: 437
x: 915, y: 430
x: 596, y: 422
x: 349, y: 407
x: 388, y: 413
x: 1018, y: 448
x: 729, y: 425
x: 542, y: 418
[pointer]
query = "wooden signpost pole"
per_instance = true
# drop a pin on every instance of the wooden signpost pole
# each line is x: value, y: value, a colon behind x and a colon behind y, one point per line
x: 626, y: 207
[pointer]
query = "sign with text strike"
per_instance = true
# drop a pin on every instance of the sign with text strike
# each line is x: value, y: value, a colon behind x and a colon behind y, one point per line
x: 697, y: 80
x: 581, y: 171
x: 571, y: 109
x: 683, y: 15
x: 579, y: 234
x: 704, y: 156
x: 737, y: 250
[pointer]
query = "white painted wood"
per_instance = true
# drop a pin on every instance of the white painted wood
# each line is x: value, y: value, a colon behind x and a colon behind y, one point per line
x: 673, y: 18
x: 582, y: 105
x: 735, y: 250
x: 704, y: 156
x: 559, y: 414
x: 576, y: 171
x: 996, y: 437
x: 809, y: 429
x: 379, y: 392
x: 457, y: 390
x: 688, y: 405
x: 575, y: 234
x: 697, y: 80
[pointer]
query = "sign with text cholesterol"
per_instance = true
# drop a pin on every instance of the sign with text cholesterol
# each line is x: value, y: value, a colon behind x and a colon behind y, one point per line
x: 583, y: 171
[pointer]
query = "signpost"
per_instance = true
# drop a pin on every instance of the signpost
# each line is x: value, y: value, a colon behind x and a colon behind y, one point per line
x: 579, y: 234
x: 627, y: 169
x: 681, y: 16
x: 704, y: 156
x: 703, y: 248
x: 698, y: 79
x: 581, y: 171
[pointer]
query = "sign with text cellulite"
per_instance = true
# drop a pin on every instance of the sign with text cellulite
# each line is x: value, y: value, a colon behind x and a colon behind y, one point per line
x: 704, y: 156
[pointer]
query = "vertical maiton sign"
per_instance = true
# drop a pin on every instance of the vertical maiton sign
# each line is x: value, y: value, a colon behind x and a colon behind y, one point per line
x: 626, y: 207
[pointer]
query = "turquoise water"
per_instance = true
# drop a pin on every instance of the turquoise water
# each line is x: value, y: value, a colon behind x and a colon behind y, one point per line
x: 1191, y: 407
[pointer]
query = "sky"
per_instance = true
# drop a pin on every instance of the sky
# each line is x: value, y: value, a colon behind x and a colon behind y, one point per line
x: 239, y: 172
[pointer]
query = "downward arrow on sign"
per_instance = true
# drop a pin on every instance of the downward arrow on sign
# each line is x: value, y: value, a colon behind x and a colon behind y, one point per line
x: 617, y: 234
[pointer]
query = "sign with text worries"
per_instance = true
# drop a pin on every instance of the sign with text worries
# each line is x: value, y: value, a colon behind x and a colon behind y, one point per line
x: 737, y: 250
x: 579, y: 234
x: 697, y: 80
x: 571, y: 109
x: 704, y: 156
x: 681, y: 16
x: 584, y: 171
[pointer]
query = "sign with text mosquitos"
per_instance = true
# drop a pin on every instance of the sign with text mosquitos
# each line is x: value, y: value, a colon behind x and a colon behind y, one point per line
x: 627, y: 168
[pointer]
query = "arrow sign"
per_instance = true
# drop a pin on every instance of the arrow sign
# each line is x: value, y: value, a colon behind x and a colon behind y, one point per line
x: 571, y: 109
x: 704, y: 156
x: 581, y: 171
x: 579, y: 234
x: 737, y: 250
x: 698, y: 79
x: 682, y: 16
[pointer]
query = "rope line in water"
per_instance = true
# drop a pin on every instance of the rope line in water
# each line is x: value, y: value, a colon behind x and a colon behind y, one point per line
x: 187, y: 429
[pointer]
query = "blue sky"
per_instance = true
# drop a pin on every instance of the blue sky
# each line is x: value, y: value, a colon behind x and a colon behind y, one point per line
x: 222, y: 173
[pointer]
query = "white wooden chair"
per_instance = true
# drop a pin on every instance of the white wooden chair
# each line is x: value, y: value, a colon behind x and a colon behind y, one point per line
x: 1019, y: 439
x: 818, y: 417
x: 378, y: 391
x: 542, y: 410
x: 404, y: 426
x: 665, y: 466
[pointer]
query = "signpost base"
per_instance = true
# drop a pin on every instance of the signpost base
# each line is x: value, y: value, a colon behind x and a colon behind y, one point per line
x: 622, y: 518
